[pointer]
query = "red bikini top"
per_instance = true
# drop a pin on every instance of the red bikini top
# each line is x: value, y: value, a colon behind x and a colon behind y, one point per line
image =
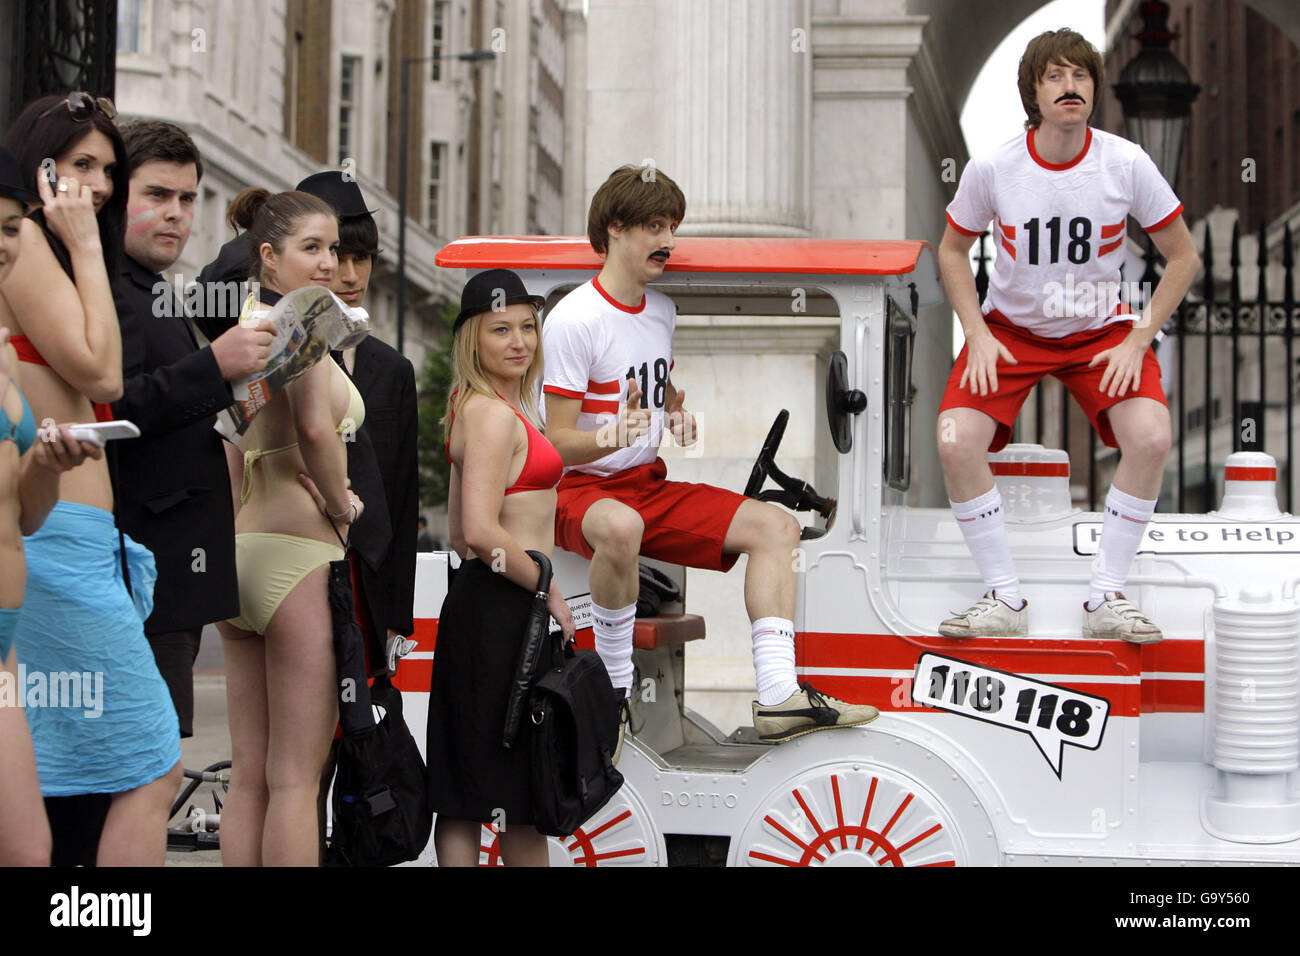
x: 542, y: 465
x: 27, y: 353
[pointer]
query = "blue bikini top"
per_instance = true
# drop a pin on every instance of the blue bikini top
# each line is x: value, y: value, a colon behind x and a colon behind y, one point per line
x: 24, y: 433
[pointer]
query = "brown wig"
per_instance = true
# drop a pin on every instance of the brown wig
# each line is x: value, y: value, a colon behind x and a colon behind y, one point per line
x: 632, y: 196
x: 1060, y: 47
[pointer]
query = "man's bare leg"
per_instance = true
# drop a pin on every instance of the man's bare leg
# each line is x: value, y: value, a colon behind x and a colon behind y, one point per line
x: 964, y: 435
x: 614, y: 532
x: 1143, y: 430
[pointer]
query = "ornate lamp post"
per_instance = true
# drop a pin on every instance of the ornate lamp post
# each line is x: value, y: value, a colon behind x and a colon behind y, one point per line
x: 473, y: 56
x: 1156, y: 93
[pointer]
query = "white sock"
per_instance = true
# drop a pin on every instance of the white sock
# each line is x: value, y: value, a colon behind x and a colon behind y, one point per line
x: 1121, y: 534
x: 774, y: 659
x: 613, y: 632
x: 985, y: 529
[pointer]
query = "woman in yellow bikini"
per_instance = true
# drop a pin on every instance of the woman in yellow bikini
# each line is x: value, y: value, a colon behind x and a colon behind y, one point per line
x: 280, y: 670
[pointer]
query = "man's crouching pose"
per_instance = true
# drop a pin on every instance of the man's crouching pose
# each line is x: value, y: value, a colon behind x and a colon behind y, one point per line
x: 614, y: 502
x: 1061, y: 195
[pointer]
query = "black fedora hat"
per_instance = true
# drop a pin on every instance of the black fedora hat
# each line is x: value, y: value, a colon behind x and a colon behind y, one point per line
x: 493, y: 289
x: 11, y: 179
x: 343, y: 194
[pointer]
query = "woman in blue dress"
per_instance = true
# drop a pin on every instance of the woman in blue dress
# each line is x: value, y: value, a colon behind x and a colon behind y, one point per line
x: 29, y: 487
x: 80, y: 624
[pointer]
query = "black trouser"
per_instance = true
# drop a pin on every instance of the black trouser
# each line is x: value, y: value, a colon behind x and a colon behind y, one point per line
x: 175, y: 653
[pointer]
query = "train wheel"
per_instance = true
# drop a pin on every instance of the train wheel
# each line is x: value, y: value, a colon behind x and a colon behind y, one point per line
x: 621, y: 834
x: 846, y: 812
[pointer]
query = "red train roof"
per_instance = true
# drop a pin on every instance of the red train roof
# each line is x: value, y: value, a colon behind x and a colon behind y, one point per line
x: 695, y: 254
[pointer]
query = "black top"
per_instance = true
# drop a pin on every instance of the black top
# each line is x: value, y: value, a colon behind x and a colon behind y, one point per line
x: 222, y: 288
x: 173, y: 487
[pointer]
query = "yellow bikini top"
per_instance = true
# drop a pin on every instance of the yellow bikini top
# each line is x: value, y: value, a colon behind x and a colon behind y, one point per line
x: 352, y: 421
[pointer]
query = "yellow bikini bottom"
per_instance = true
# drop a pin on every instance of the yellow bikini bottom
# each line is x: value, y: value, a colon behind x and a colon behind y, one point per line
x: 269, y: 567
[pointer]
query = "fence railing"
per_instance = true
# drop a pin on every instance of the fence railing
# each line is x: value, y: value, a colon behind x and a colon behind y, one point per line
x: 1230, y: 371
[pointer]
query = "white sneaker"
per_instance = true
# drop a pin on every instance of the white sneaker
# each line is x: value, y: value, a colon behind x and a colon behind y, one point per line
x: 1116, y: 617
x: 990, y: 616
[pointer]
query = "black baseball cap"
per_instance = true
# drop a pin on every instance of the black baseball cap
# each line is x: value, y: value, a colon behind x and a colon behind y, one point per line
x: 343, y: 194
x: 11, y: 179
x: 485, y: 290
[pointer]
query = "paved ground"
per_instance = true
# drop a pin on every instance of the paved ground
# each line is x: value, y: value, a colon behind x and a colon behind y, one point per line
x: 725, y: 707
x: 211, y: 740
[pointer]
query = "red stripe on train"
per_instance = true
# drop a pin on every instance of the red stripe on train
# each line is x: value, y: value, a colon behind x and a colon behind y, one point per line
x: 1238, y: 473
x: 894, y: 694
x: 1032, y: 469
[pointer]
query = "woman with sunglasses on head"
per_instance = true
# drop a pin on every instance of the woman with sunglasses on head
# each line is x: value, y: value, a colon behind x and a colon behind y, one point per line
x: 78, y: 616
x: 30, y: 465
x: 280, y: 669
x: 501, y: 503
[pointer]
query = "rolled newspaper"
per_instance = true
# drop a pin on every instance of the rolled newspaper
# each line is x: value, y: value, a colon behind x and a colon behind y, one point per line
x: 309, y: 322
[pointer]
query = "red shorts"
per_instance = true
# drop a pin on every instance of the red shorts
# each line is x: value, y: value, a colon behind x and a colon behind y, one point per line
x: 685, y: 523
x: 1066, y: 359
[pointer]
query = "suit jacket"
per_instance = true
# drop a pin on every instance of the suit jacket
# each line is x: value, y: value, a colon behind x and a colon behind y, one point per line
x: 222, y: 287
x: 382, y: 468
x: 172, y: 487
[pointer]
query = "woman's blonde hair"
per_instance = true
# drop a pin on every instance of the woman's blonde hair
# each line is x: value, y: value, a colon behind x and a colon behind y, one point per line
x: 468, y: 377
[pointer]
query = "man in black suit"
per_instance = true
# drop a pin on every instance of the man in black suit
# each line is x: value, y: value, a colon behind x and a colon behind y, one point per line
x: 382, y: 458
x: 171, y: 484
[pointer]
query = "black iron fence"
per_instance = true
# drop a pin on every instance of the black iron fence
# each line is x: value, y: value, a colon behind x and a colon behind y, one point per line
x: 1230, y: 370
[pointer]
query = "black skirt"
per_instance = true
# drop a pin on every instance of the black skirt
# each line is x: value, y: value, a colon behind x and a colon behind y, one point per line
x: 480, y: 630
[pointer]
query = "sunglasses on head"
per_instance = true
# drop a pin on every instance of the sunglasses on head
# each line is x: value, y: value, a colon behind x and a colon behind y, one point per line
x: 82, y: 105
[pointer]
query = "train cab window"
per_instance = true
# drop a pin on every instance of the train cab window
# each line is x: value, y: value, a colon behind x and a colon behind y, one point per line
x: 898, y: 396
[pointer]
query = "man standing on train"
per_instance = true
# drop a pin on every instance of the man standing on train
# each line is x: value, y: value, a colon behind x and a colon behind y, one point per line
x: 1059, y: 196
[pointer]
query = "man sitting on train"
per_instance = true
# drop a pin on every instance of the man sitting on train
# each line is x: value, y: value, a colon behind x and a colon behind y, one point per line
x: 609, y: 397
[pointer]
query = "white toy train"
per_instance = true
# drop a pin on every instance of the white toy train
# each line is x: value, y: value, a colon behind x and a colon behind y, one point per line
x: 1048, y: 750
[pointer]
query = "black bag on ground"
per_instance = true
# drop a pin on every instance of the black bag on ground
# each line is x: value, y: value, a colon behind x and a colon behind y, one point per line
x: 380, y: 812
x: 574, y: 711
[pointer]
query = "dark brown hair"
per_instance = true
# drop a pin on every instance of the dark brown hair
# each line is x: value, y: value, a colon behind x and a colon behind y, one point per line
x: 34, y: 137
x: 149, y: 140
x: 632, y: 196
x: 1056, y: 46
x: 271, y: 218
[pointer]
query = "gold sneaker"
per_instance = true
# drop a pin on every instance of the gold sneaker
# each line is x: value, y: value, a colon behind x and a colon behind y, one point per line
x: 807, y: 711
x: 1117, y: 617
x: 990, y: 616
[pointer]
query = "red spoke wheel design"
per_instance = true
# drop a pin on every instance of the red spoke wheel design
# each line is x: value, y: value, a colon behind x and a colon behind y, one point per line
x: 622, y: 833
x: 847, y: 815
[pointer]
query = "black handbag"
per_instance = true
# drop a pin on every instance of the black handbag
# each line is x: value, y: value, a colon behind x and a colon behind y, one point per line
x: 536, y: 638
x: 379, y: 808
x: 575, y: 716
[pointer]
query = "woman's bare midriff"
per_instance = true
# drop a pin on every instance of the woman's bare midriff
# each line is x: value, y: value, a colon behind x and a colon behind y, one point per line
x: 52, y: 398
x: 527, y: 516
x: 278, y: 503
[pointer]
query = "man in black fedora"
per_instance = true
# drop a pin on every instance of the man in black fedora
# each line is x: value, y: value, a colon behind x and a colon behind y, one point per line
x: 382, y: 459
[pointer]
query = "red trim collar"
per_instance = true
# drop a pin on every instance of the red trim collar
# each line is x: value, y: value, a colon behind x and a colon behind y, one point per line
x: 614, y: 302
x: 1057, y: 167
